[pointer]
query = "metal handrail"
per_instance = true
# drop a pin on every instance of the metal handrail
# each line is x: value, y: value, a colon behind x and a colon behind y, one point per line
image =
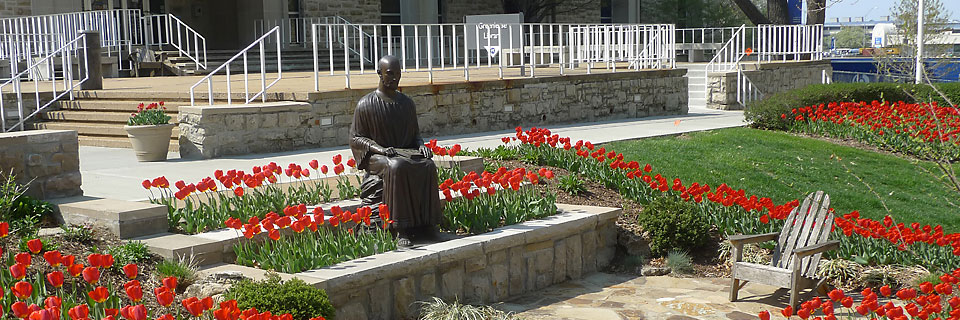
x: 179, y: 35
x: 746, y: 91
x: 263, y: 73
x: 461, y: 46
x: 65, y: 54
x: 799, y: 42
x: 730, y: 54
x: 119, y: 29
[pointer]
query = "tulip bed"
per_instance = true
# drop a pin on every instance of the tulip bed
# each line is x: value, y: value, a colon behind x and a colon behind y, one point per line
x: 931, y: 301
x: 926, y: 131
x: 47, y: 284
x: 734, y: 211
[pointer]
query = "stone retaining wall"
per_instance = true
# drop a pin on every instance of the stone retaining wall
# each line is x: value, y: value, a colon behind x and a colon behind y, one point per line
x: 770, y: 78
x: 48, y: 160
x: 443, y: 109
x: 479, y: 269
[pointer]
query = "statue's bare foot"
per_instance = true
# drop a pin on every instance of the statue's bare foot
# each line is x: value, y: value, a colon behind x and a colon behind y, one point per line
x: 404, y: 242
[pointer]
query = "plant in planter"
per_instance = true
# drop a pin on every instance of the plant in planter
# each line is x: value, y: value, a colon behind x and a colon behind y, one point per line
x: 149, y: 130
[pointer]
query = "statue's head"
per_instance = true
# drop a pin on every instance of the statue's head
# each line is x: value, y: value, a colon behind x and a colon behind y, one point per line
x: 389, y: 70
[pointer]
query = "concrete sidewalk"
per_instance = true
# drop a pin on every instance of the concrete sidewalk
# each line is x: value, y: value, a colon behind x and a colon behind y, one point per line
x: 115, y: 173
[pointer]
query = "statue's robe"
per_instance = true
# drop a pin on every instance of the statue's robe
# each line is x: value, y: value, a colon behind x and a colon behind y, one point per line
x: 407, y: 182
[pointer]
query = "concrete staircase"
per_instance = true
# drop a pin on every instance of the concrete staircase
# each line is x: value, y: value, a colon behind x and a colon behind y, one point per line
x: 99, y: 122
x: 696, y: 77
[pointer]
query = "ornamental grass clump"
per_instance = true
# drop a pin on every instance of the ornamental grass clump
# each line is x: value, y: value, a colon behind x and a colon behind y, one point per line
x: 149, y: 115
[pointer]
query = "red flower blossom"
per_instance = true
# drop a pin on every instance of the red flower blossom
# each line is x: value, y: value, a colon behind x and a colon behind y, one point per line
x: 91, y: 275
x: 35, y: 246
x: 55, y: 279
x: 100, y: 294
x: 22, y: 290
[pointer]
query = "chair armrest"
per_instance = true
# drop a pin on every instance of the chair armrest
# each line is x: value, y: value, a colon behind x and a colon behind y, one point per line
x: 741, y: 239
x: 816, y: 248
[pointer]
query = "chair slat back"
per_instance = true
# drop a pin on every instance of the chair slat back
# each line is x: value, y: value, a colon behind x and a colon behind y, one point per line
x: 807, y: 225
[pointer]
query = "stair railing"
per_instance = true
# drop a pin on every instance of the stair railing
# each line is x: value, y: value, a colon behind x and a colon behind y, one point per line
x: 260, y: 44
x: 64, y: 85
x: 167, y: 29
x: 747, y: 92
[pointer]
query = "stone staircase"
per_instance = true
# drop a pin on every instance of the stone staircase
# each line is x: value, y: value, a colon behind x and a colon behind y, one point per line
x: 696, y: 79
x: 99, y: 122
x: 294, y: 59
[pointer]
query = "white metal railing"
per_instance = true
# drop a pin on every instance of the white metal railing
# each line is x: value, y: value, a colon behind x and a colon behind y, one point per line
x: 747, y: 92
x: 293, y: 31
x: 119, y: 30
x: 260, y: 44
x: 729, y: 56
x: 60, y: 86
x: 433, y: 47
x: 167, y: 29
x: 790, y: 42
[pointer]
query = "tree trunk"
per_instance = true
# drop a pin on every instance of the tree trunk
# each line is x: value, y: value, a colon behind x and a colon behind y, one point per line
x: 816, y: 11
x: 751, y: 11
x: 777, y: 12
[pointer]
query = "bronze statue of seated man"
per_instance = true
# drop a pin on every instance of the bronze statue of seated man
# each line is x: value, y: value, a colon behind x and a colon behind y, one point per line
x: 385, y: 140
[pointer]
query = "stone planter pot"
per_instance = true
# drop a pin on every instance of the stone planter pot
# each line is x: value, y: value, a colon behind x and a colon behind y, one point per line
x: 151, y: 142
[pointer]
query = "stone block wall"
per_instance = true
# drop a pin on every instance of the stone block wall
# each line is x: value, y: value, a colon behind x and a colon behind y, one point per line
x: 355, y: 11
x: 14, y: 8
x: 213, y: 131
x: 447, y: 109
x: 47, y: 160
x: 770, y: 78
x: 481, y: 269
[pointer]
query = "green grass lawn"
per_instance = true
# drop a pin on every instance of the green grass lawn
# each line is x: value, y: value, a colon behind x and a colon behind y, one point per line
x: 786, y: 167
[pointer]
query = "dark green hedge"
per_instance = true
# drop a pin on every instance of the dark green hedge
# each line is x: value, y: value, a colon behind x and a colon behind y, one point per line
x: 765, y: 114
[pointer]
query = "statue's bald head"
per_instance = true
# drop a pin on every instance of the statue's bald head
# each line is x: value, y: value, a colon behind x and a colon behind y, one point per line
x: 388, y: 61
x: 389, y: 70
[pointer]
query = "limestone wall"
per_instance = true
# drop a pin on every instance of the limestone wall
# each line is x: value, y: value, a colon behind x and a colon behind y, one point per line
x: 48, y: 160
x: 770, y: 78
x: 14, y: 8
x: 482, y: 269
x: 449, y: 109
x: 355, y: 11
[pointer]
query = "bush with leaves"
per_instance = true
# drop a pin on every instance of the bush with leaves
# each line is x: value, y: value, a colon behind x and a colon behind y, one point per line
x: 130, y: 252
x: 673, y: 224
x: 292, y: 296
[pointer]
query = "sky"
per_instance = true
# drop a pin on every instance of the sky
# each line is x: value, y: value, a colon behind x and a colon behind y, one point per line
x: 874, y: 9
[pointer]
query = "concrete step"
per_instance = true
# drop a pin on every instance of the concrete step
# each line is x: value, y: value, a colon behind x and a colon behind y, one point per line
x: 90, y: 116
x: 93, y: 129
x: 114, y: 105
x: 117, y: 142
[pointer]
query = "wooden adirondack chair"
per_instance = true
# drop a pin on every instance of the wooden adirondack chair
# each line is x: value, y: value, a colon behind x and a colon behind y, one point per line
x: 799, y: 245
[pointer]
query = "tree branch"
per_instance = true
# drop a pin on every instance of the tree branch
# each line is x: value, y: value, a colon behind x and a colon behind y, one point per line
x: 750, y: 10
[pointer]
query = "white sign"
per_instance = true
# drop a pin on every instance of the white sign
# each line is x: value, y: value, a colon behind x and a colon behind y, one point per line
x: 493, y: 30
x: 492, y: 50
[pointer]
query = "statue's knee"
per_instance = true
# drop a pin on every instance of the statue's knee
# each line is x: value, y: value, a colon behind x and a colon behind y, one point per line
x: 394, y: 165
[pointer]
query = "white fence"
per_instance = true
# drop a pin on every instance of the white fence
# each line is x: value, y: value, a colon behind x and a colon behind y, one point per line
x: 59, y: 86
x: 260, y: 44
x: 120, y: 29
x: 343, y: 49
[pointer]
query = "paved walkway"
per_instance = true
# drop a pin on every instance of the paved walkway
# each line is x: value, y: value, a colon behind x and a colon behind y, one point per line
x: 602, y: 296
x: 115, y: 173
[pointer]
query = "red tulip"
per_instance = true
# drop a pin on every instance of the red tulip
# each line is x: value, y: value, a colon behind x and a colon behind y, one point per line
x: 42, y: 314
x: 164, y: 296
x: 146, y: 184
x: 20, y: 309
x: 53, y: 302
x: 193, y: 306
x: 131, y: 270
x: 238, y: 191
x: 337, y: 159
x: 100, y: 294
x: 314, y: 164
x: 75, y: 269
x: 338, y: 169
x: 170, y: 283
x: 23, y: 258
x: 53, y: 258
x: 22, y: 290
x: 135, y: 293
x: 4, y: 229
x: 79, y: 312
x: 351, y: 163
x: 787, y: 312
x: 885, y: 290
x: 18, y: 271
x: 324, y: 169
x: 91, y: 275
x: 55, y: 279
x: 764, y: 315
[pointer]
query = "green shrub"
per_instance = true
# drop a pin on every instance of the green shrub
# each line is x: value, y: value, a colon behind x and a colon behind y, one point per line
x: 673, y: 224
x: 679, y: 262
x: 292, y: 296
x: 130, y: 252
x: 77, y: 233
x: 766, y: 114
